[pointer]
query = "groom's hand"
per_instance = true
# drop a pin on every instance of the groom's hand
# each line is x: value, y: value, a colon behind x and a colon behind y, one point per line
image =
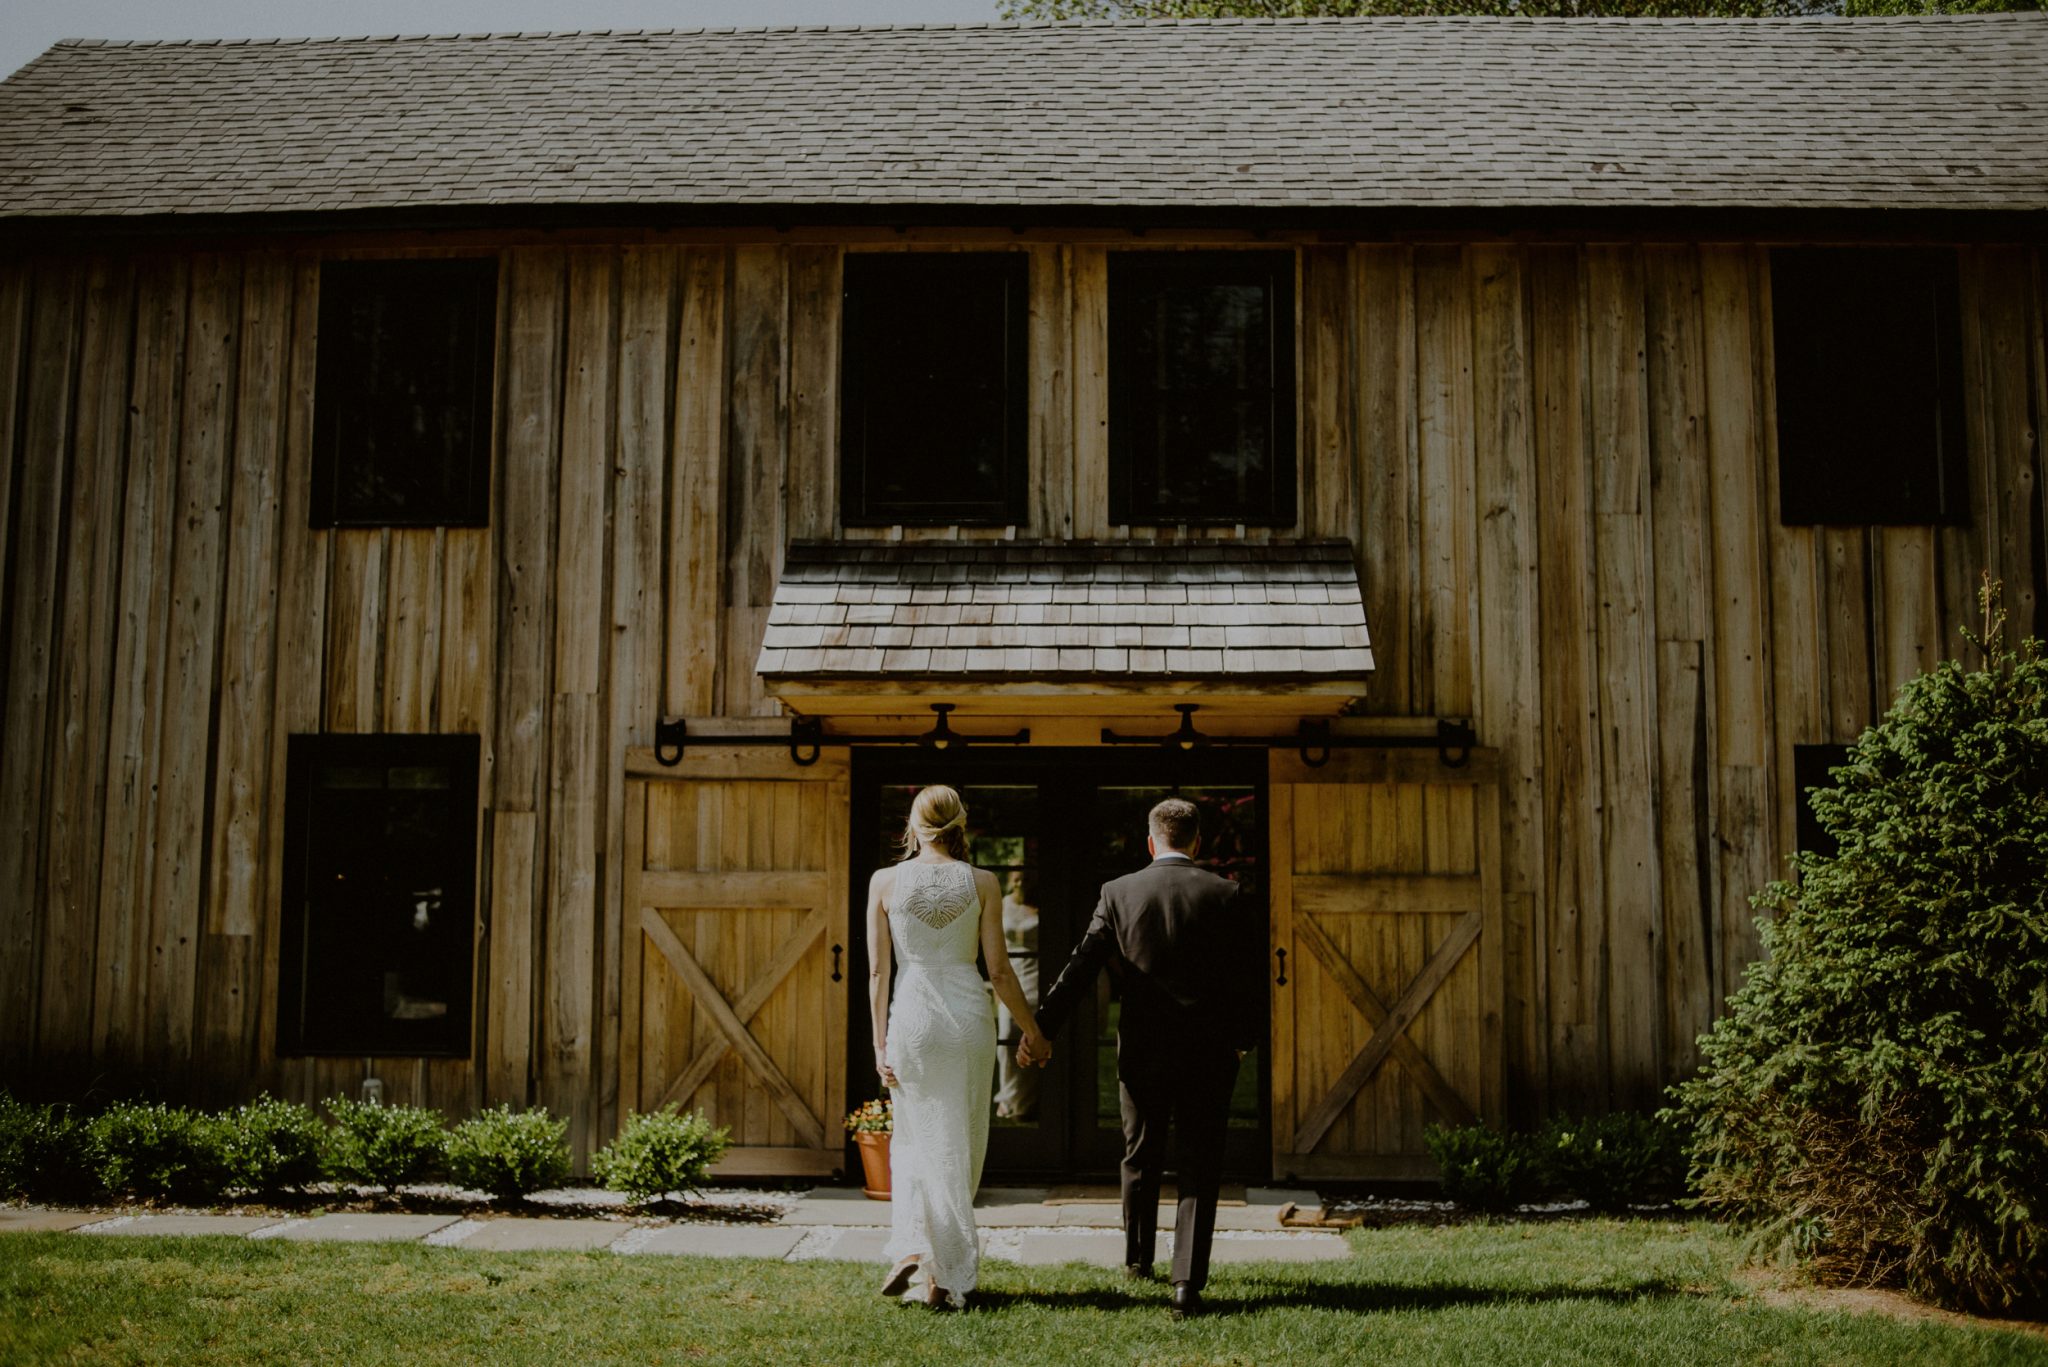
x: 1034, y: 1051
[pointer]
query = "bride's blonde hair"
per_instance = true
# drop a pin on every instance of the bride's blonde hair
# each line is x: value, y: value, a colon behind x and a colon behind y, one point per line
x: 937, y: 817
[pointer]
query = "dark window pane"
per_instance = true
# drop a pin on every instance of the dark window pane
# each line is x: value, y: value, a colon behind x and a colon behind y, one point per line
x: 380, y: 904
x: 1202, y: 395
x: 403, y: 393
x: 1810, y: 769
x: 932, y: 388
x: 1869, y: 385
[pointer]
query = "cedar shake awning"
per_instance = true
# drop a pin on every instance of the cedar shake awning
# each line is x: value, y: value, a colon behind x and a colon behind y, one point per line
x: 1118, y: 613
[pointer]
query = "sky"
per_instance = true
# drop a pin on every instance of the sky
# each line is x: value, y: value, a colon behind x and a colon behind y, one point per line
x: 29, y: 26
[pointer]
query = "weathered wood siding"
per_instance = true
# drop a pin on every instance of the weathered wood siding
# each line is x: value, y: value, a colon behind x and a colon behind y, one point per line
x: 1557, y: 463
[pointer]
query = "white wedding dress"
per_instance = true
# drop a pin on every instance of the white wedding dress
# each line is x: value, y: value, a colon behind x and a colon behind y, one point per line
x: 942, y: 1032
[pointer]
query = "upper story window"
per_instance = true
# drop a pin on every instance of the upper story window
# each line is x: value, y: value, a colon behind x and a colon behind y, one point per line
x: 402, y: 397
x: 1201, y: 406
x: 1869, y: 379
x: 379, y: 895
x: 933, y: 421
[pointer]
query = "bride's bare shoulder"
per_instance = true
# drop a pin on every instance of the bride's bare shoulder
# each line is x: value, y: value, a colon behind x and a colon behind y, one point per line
x: 986, y: 882
x: 884, y: 879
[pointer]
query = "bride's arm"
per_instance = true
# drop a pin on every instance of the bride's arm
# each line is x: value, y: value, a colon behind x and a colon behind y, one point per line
x: 995, y: 952
x: 879, y: 966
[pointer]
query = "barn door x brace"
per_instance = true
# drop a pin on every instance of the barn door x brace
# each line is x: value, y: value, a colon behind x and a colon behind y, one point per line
x: 1453, y: 739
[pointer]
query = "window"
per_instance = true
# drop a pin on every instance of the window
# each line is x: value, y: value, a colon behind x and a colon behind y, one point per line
x: 1810, y: 766
x: 932, y: 389
x: 402, y: 393
x: 380, y: 896
x: 1201, y: 407
x: 1870, y: 409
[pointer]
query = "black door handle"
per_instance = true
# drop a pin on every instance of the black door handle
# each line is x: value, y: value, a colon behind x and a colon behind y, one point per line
x: 1281, y: 955
x: 835, y: 963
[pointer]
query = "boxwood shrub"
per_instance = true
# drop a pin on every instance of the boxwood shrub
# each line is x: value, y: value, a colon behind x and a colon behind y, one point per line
x: 1875, y: 1099
x: 1485, y: 1169
x: 1614, y: 1161
x: 46, y: 1153
x: 509, y: 1153
x: 661, y: 1153
x: 276, y: 1146
x: 1611, y: 1162
x: 155, y: 1151
x: 384, y: 1147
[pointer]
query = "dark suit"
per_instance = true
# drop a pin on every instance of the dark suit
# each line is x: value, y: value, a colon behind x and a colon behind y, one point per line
x: 1190, y: 962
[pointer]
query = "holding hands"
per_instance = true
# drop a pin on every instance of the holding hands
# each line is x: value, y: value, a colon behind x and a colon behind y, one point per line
x: 1034, y: 1050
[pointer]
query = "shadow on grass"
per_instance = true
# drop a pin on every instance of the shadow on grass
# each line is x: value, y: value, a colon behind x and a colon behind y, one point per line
x: 1346, y: 1299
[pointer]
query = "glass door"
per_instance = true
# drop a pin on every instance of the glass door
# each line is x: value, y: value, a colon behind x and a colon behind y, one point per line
x: 1053, y: 826
x: 1233, y: 845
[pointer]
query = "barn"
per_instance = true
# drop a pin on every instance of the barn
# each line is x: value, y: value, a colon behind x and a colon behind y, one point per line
x: 495, y: 527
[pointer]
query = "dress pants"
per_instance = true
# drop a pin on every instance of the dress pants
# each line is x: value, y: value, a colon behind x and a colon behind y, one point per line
x: 1186, y: 1087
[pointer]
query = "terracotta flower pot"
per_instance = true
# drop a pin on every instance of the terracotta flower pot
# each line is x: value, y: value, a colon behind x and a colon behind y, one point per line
x: 874, y: 1163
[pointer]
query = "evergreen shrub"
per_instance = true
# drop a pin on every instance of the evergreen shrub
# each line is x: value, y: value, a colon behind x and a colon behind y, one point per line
x: 1614, y: 1161
x: 509, y: 1153
x: 155, y: 1151
x: 387, y: 1147
x: 46, y: 1153
x: 276, y: 1146
x: 1485, y: 1169
x: 1875, y: 1098
x: 660, y: 1153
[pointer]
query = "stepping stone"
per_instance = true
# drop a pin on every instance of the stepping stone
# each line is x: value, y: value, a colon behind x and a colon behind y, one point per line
x: 1021, y: 1215
x: 1106, y: 1217
x: 193, y: 1224
x: 1050, y: 1248
x: 37, y: 1220
x: 516, y: 1233
x: 856, y: 1246
x: 1257, y: 1218
x: 367, y: 1229
x: 1280, y: 1196
x: 818, y: 1209
x: 722, y: 1241
x: 1011, y: 1196
x: 1280, y: 1248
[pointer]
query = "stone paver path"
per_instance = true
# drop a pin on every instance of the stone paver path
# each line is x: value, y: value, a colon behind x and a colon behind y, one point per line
x: 518, y: 1233
x: 366, y: 1229
x: 1018, y: 1225
x: 185, y: 1224
x: 35, y: 1220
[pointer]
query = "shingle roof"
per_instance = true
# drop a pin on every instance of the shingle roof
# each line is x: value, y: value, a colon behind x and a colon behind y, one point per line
x: 1944, y: 112
x: 1136, y: 610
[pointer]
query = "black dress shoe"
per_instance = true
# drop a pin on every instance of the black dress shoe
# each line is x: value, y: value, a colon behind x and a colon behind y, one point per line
x: 1187, y: 1302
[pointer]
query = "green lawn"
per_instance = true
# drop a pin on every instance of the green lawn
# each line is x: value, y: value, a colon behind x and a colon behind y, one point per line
x: 1569, y: 1292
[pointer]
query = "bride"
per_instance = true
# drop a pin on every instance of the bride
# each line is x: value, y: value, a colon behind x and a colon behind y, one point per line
x: 929, y: 913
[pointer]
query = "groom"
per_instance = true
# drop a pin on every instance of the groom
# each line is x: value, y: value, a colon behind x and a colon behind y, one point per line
x: 1189, y: 965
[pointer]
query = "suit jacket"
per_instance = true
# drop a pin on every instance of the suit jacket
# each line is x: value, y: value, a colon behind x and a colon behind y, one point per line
x: 1189, y: 953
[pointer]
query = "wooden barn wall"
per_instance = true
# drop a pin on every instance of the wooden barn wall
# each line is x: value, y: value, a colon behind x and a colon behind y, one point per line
x: 1557, y: 463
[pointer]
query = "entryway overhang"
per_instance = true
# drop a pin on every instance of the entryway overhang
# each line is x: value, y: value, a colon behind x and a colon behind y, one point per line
x: 1251, y: 630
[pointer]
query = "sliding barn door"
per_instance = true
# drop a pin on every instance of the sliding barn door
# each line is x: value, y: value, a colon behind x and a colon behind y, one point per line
x: 735, y: 998
x: 1386, y: 928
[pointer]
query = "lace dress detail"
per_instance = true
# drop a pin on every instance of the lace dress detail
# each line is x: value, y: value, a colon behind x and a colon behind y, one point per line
x: 942, y: 1038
